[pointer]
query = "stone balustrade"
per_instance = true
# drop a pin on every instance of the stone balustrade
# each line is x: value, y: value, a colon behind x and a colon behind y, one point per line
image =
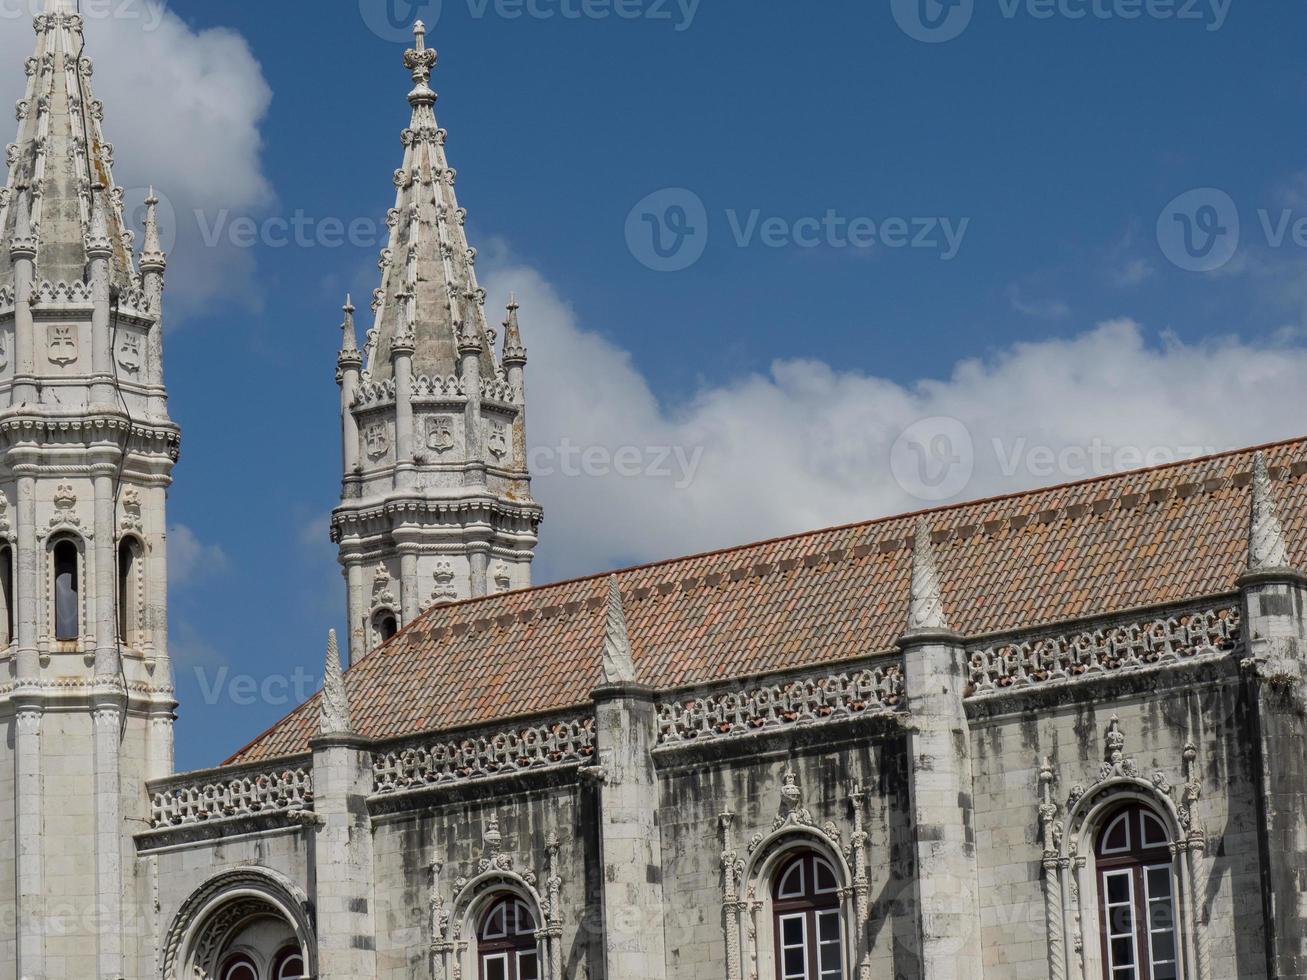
x: 225, y: 794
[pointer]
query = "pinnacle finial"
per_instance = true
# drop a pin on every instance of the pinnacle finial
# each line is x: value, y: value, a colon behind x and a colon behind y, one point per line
x: 23, y: 244
x: 420, y: 60
x: 514, y: 352
x: 153, y: 258
x: 1266, y: 545
x: 927, y: 603
x: 97, y: 238
x: 619, y: 668
x: 333, y: 716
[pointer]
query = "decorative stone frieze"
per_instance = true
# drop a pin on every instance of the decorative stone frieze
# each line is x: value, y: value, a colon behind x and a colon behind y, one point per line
x: 226, y: 795
x: 1105, y: 649
x: 551, y: 744
x: 806, y: 701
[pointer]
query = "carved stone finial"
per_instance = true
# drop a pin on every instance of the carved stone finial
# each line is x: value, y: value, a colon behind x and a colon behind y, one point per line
x: 153, y: 258
x: 619, y: 667
x: 1115, y: 741
x: 1266, y: 545
x: 927, y: 605
x: 791, y: 794
x: 333, y: 716
x: 349, y: 347
x: 514, y: 352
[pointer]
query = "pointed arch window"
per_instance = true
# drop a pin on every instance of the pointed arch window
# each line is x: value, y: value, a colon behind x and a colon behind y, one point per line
x: 1137, y: 897
x: 67, y: 590
x: 808, y: 927
x: 506, y: 942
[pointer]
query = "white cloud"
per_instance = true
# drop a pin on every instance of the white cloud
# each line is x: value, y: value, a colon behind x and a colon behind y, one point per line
x: 183, y: 109
x: 190, y: 558
x: 806, y: 446
x: 1042, y: 309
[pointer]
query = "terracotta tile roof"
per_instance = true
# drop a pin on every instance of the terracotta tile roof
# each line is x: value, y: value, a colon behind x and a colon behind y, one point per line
x: 1143, y: 538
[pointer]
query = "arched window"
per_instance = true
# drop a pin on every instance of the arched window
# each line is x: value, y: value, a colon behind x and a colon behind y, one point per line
x: 385, y: 624
x: 1136, y: 890
x: 7, y: 593
x: 506, y: 942
x: 288, y: 965
x: 129, y: 568
x: 67, y: 613
x: 806, y: 907
x: 239, y: 967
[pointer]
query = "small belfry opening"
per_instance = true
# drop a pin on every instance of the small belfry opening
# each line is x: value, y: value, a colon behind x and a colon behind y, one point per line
x: 129, y: 570
x: 386, y: 624
x: 7, y: 594
x: 67, y: 591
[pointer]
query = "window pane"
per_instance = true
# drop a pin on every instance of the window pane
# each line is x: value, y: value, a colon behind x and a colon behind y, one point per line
x: 1121, y: 921
x: 1165, y: 972
x: 1161, y: 916
x: 1153, y: 832
x: 792, y: 931
x: 796, y: 965
x: 1159, y: 882
x: 1118, y: 889
x: 825, y: 877
x: 496, y: 967
x: 1123, y: 951
x: 828, y: 927
x: 1163, y: 947
x: 1117, y: 837
x: 526, y: 923
x: 792, y: 883
x: 528, y: 967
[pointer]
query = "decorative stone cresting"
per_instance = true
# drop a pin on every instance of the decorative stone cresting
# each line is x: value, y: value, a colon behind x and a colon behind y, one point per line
x: 812, y: 700
x: 438, y: 762
x: 1120, y: 647
x: 181, y: 801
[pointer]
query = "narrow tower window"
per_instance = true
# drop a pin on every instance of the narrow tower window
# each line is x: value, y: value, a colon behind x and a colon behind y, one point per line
x: 7, y: 593
x: 386, y: 624
x: 66, y: 589
x: 128, y: 569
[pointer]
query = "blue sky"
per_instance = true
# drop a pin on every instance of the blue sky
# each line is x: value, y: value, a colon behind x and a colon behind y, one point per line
x: 1052, y: 144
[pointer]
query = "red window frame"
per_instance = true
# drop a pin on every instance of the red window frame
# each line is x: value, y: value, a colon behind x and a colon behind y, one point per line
x: 806, y: 906
x: 1137, y: 903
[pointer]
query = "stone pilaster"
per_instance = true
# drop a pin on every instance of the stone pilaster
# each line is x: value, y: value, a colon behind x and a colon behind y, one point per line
x: 1275, y: 622
x: 342, y: 782
x: 940, y: 777
x: 630, y: 845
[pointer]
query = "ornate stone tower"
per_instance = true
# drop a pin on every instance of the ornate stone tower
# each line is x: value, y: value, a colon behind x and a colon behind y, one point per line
x: 86, y: 457
x: 436, y: 501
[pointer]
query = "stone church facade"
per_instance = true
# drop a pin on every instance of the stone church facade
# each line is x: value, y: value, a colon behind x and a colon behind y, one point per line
x: 1053, y: 735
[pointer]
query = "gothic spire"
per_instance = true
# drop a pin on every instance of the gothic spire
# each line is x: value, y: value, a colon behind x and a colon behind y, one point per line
x: 59, y: 155
x: 619, y: 668
x: 429, y: 289
x: 927, y: 602
x: 1266, y: 545
x: 152, y: 255
x: 333, y: 715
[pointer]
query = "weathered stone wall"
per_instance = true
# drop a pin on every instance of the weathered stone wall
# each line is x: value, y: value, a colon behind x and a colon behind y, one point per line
x: 1158, y: 716
x: 456, y: 834
x: 8, y: 884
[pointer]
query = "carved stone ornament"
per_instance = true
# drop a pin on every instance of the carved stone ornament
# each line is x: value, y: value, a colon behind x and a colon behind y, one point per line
x: 62, y: 344
x: 5, y: 526
x: 129, y: 353
x: 4, y: 353
x: 382, y: 596
x: 65, y: 507
x: 503, y: 578
x: 377, y: 439
x: 130, y: 506
x: 440, y: 434
x: 444, y: 576
x: 498, y: 443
